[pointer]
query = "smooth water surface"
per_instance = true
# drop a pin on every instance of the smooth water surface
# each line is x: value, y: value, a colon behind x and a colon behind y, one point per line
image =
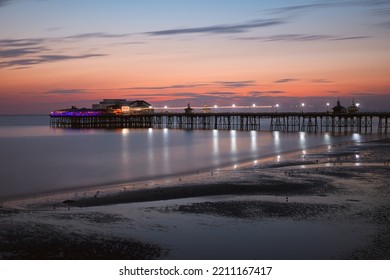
x: 36, y: 158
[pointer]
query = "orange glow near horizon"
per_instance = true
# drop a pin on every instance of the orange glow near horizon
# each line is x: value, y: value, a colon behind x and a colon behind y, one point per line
x: 284, y: 61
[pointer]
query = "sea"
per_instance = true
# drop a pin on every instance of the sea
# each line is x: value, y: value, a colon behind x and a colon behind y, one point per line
x: 37, y: 158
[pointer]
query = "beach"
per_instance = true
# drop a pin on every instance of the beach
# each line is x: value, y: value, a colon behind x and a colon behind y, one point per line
x: 330, y: 202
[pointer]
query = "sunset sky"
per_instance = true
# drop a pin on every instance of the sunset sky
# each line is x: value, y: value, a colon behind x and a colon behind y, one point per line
x: 57, y: 53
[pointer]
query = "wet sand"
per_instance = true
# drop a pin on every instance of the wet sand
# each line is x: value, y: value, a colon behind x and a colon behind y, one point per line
x: 328, y: 203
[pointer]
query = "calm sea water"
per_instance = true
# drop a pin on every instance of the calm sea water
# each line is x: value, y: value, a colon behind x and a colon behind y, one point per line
x: 36, y: 158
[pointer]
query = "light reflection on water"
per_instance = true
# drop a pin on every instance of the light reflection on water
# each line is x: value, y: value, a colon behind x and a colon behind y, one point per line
x: 166, y: 164
x: 253, y: 136
x: 150, y: 152
x: 38, y: 159
x: 215, y: 134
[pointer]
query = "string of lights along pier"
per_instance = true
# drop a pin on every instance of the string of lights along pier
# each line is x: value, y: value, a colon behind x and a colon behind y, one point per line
x: 120, y: 113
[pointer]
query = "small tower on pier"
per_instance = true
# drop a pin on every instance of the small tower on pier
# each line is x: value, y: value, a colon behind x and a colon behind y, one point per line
x: 338, y: 109
x: 353, y: 108
x: 188, y: 110
x: 206, y: 109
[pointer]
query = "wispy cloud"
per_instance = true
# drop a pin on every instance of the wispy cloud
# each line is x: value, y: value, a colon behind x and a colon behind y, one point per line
x: 165, y: 94
x: 15, y: 52
x: 66, y: 91
x: 175, y: 86
x: 331, y: 4
x: 28, y: 42
x: 267, y: 93
x: 218, y: 29
x: 286, y: 80
x: 297, y: 37
x: 350, y: 38
x: 385, y: 24
x: 320, y: 81
x: 299, y: 8
x: 32, y: 51
x: 44, y: 59
x: 301, y: 38
x: 289, y: 80
x: 175, y: 96
x: 225, y: 84
x: 384, y: 15
x: 4, y: 2
x: 236, y: 84
x: 222, y: 93
x: 381, y: 9
x: 21, y: 42
x: 382, y: 12
x: 96, y: 35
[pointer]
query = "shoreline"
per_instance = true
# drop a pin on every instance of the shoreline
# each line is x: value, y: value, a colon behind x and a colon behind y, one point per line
x: 333, y: 198
x: 157, y: 180
x: 220, y: 181
x: 174, y: 181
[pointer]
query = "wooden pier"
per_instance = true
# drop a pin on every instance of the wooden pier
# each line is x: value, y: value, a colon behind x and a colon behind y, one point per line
x: 310, y: 122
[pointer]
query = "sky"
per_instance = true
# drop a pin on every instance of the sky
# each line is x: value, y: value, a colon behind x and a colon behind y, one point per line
x: 56, y: 54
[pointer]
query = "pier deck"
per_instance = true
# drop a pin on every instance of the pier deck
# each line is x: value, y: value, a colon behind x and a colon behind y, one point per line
x: 364, y: 122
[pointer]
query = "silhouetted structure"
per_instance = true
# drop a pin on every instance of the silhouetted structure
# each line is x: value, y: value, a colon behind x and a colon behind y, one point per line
x: 353, y: 108
x: 188, y: 110
x: 123, y: 106
x: 332, y: 122
x: 108, y: 107
x: 338, y: 109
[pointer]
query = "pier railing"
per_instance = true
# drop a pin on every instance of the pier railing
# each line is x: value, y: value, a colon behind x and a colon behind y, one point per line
x: 367, y: 122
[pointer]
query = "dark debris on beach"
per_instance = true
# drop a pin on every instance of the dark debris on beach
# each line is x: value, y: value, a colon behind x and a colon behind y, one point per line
x: 93, y: 217
x: 259, y: 209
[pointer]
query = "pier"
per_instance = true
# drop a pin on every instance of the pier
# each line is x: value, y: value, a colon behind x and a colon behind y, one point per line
x: 361, y: 122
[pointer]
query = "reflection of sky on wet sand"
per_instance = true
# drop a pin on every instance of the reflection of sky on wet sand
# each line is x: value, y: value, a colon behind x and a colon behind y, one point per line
x: 191, y: 236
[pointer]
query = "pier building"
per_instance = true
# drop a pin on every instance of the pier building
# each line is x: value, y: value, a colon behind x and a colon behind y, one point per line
x: 367, y: 122
x: 140, y: 114
x: 123, y: 106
